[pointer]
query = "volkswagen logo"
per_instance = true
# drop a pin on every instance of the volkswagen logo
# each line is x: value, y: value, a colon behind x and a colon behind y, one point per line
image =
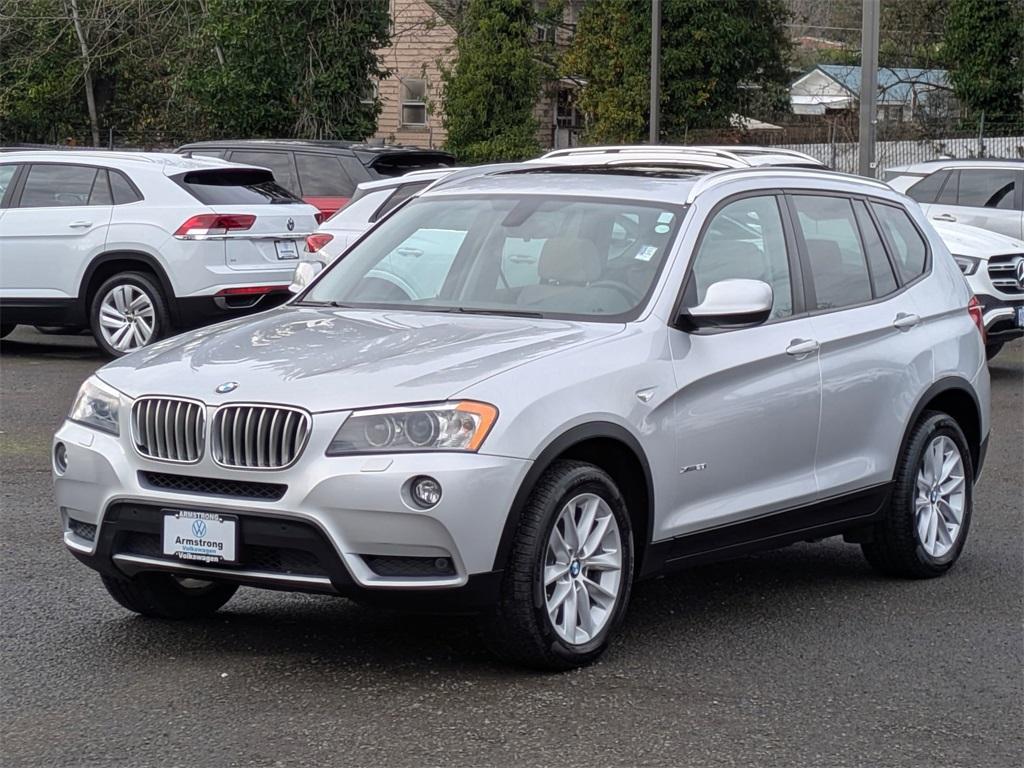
x: 291, y: 224
x: 198, y: 528
x: 227, y: 386
x: 1020, y: 272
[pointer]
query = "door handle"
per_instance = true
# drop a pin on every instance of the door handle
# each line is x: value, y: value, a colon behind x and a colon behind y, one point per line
x: 944, y: 217
x: 802, y: 347
x: 80, y: 224
x: 906, y: 321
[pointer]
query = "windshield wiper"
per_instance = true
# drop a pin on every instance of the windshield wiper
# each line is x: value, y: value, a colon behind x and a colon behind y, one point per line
x: 336, y: 304
x: 509, y: 312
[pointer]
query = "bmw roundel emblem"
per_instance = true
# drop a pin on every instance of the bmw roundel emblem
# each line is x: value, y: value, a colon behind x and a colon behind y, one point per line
x: 291, y: 224
x: 227, y: 386
x: 198, y: 528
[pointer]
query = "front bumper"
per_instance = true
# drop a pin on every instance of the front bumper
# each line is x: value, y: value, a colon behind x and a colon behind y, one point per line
x: 339, y: 524
x: 999, y: 316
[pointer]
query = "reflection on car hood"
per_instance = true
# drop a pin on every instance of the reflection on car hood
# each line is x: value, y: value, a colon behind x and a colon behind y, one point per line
x: 964, y: 240
x: 338, y: 359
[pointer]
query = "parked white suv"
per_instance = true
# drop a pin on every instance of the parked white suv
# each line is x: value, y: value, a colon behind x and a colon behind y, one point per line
x: 136, y: 246
x: 994, y: 267
x: 988, y: 194
x: 691, y: 368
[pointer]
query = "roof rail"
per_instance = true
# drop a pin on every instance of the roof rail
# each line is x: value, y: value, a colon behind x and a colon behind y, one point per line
x: 751, y: 149
x: 705, y: 183
x: 648, y: 148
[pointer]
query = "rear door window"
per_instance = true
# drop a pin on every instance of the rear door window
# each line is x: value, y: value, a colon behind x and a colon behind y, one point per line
x: 839, y: 268
x: 234, y: 186
x: 905, y: 242
x: 883, y: 280
x: 54, y: 186
x: 322, y: 176
x: 278, y: 162
x: 987, y: 188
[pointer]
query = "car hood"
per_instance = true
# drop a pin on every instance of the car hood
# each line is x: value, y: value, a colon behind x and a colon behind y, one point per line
x: 965, y: 240
x: 329, y: 360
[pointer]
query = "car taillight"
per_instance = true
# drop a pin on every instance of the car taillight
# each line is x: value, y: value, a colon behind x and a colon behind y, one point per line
x: 207, y: 224
x: 251, y: 290
x: 317, y: 240
x: 977, y: 313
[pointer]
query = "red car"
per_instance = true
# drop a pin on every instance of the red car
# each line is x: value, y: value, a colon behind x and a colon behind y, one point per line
x: 323, y: 173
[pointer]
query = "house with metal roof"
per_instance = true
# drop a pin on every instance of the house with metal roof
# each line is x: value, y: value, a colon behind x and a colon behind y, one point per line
x: 904, y: 93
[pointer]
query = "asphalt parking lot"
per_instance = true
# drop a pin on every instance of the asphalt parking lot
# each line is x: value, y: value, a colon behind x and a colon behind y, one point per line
x: 800, y: 656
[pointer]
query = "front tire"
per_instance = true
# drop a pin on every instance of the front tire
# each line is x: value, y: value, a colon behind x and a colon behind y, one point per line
x: 925, y: 524
x: 127, y: 313
x: 164, y: 596
x: 569, y: 575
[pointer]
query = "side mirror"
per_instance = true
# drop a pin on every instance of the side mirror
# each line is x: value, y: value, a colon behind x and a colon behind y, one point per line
x: 730, y: 304
x: 305, y: 271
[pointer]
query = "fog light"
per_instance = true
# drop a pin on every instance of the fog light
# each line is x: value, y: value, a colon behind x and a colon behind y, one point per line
x: 60, y: 458
x: 426, y: 491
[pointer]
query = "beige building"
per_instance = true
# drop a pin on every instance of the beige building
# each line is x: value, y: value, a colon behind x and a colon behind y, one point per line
x: 422, y: 43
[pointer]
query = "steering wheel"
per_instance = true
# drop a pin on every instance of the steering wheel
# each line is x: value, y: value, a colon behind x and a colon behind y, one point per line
x: 634, y: 297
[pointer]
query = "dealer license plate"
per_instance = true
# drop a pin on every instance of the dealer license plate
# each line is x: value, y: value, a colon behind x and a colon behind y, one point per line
x: 201, y: 536
x: 286, y: 249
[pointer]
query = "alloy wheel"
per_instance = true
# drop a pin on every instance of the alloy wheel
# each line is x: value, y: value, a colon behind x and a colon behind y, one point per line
x: 583, y: 569
x: 127, y: 317
x: 940, y: 499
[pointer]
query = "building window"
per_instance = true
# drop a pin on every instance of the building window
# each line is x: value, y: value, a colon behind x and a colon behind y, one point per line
x: 370, y: 93
x: 545, y: 33
x: 414, y: 101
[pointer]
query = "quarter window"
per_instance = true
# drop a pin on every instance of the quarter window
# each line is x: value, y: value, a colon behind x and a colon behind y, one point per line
x: 101, y: 194
x: 907, y: 245
x: 123, y: 191
x: 927, y: 189
x: 745, y: 239
x: 322, y: 176
x: 414, y: 101
x: 53, y: 186
x: 6, y: 174
x: 984, y: 188
x: 839, y: 270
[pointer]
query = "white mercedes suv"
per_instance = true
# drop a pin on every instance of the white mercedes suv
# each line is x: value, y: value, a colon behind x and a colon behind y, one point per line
x: 136, y: 246
x: 574, y: 381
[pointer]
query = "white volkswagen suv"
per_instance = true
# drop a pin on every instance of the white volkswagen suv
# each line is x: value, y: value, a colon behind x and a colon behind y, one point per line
x: 588, y: 379
x: 138, y: 245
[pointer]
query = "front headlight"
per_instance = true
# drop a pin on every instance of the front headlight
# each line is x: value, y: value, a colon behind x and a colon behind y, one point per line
x: 968, y: 264
x: 454, y: 426
x: 97, y: 406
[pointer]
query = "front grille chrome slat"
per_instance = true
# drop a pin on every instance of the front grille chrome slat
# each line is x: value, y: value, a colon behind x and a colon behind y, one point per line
x: 1002, y: 271
x: 169, y: 429
x: 254, y: 436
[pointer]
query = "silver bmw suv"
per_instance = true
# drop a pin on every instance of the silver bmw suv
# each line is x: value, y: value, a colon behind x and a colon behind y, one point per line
x: 531, y: 387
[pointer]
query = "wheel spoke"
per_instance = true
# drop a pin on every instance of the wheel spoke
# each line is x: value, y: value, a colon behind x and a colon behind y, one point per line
x: 951, y: 484
x: 569, y: 617
x: 924, y: 518
x: 942, y: 536
x: 933, y: 527
x: 598, y: 593
x: 145, y: 329
x: 949, y: 463
x: 608, y: 560
x: 553, y: 573
x: 949, y: 513
x: 584, y: 610
x: 593, y: 541
x: 570, y: 533
x: 562, y: 590
x: 586, y: 522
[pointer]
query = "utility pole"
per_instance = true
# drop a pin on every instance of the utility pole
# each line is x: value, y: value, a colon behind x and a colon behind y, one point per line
x: 655, y: 69
x: 868, y: 85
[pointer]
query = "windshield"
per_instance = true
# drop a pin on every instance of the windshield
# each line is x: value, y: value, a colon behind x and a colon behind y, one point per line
x: 521, y: 255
